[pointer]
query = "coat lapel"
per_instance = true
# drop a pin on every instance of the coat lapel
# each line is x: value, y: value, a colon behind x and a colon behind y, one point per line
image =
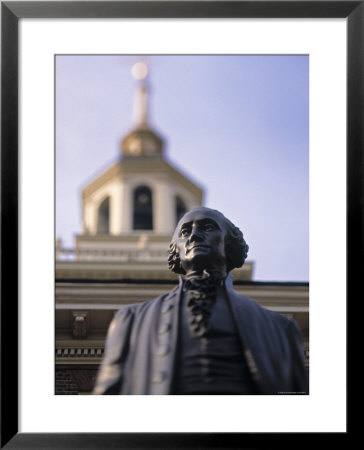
x: 164, y: 343
x: 249, y: 327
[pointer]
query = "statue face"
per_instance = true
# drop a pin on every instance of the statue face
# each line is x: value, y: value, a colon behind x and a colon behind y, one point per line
x: 200, y: 239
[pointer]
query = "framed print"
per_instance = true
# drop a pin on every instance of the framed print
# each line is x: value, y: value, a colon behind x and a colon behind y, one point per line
x: 40, y: 42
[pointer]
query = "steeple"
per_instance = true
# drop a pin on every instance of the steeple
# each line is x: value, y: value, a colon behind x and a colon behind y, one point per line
x: 142, y: 141
x: 140, y: 111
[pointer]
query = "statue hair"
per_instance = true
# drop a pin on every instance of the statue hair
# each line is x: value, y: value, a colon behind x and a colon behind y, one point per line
x: 236, y: 249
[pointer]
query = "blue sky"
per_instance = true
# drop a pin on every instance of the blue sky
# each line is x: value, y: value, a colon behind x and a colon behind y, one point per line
x: 237, y: 125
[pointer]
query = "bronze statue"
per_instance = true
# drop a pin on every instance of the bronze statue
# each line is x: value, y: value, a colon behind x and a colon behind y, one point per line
x: 202, y: 337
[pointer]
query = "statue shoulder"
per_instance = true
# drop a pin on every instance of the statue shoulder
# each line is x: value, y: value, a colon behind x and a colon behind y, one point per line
x: 255, y: 308
x: 127, y: 312
x: 285, y: 323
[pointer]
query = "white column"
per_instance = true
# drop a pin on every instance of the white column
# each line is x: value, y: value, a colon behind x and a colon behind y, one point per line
x: 164, y: 210
x: 116, y: 213
x: 90, y: 217
x: 126, y: 208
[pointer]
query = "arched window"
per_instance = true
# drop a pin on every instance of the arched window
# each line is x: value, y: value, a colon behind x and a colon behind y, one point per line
x: 103, y: 218
x: 180, y: 209
x: 143, y: 209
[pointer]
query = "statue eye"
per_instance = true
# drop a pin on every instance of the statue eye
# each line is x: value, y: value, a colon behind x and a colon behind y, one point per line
x: 184, y: 232
x: 209, y: 227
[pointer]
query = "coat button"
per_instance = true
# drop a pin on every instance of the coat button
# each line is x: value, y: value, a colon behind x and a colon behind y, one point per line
x: 166, y: 307
x: 162, y: 350
x: 159, y: 377
x: 164, y: 328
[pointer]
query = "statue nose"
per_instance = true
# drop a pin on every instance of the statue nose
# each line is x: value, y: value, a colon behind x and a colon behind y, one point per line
x: 195, y: 235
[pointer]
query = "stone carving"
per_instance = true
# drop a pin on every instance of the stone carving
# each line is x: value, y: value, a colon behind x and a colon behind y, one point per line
x: 79, y: 328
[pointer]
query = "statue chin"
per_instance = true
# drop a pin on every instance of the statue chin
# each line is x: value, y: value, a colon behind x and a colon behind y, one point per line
x: 203, y: 262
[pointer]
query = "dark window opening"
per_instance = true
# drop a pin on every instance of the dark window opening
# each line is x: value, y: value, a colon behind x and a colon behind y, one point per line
x: 103, y: 220
x: 143, y: 209
x: 180, y: 209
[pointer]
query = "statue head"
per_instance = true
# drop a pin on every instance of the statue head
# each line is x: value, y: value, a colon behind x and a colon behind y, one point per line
x: 205, y: 239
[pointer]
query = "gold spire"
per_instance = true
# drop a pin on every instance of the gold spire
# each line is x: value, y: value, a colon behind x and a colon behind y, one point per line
x: 140, y: 109
x: 142, y: 141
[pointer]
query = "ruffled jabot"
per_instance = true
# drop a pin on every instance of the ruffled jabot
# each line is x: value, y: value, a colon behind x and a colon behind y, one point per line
x: 201, y: 293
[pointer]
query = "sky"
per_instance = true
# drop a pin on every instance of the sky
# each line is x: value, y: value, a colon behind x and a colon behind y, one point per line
x: 237, y: 125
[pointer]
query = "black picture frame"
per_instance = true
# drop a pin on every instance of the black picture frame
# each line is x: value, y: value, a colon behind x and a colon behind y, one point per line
x: 11, y: 12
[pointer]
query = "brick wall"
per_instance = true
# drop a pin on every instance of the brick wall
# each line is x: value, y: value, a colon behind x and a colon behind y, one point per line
x: 74, y: 380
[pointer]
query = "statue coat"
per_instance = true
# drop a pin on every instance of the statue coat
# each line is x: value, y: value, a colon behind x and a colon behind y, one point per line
x: 142, y: 342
